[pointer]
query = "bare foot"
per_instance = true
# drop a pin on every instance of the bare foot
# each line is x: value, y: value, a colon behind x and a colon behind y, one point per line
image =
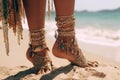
x: 76, y: 57
x: 66, y: 45
x: 40, y: 60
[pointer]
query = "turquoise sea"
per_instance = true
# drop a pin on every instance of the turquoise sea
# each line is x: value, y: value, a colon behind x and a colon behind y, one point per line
x: 108, y: 19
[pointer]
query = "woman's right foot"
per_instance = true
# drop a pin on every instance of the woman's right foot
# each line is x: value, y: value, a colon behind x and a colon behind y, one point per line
x: 37, y: 52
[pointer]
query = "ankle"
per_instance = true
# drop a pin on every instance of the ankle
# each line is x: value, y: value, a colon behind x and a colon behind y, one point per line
x: 37, y: 40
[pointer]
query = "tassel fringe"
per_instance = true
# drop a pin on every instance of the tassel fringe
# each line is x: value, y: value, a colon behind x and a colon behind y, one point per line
x: 11, y: 14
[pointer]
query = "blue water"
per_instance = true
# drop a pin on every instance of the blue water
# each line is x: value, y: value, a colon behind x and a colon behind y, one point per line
x: 102, y: 19
x: 98, y: 19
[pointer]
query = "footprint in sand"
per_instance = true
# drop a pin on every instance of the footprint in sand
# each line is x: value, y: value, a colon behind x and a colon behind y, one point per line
x: 94, y: 72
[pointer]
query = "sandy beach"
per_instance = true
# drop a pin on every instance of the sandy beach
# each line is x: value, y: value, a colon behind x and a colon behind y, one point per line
x: 17, y: 67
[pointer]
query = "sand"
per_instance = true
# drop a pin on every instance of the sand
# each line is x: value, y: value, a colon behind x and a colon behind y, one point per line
x: 17, y: 67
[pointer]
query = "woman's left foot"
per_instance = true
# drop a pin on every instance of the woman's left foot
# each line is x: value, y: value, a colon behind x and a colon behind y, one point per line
x: 70, y: 52
x: 66, y: 45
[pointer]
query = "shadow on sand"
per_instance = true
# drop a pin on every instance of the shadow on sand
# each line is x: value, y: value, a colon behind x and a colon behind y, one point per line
x: 50, y: 76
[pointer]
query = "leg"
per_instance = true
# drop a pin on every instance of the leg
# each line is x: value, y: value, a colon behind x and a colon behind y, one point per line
x: 35, y: 12
x: 64, y: 7
x: 38, y: 51
x: 66, y: 45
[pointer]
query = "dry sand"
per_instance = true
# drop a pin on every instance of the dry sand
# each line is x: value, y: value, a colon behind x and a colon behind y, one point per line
x: 17, y: 67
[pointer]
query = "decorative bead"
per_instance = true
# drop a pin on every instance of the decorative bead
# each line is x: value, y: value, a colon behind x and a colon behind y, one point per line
x: 32, y: 53
x: 56, y: 35
x: 62, y: 46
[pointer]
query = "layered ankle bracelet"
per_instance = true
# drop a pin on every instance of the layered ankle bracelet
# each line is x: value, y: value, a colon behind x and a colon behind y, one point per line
x: 37, y: 40
x: 66, y: 25
x: 66, y: 31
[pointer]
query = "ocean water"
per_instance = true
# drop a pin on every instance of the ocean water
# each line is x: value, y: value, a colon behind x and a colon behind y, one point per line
x: 107, y: 20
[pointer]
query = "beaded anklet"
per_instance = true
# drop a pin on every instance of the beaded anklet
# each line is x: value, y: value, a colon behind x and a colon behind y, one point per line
x: 37, y: 39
